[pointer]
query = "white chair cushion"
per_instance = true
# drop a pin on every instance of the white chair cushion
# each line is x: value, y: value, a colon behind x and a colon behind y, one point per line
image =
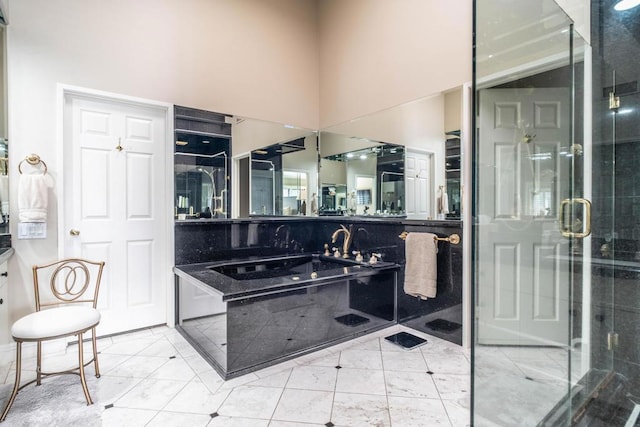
x: 55, y: 322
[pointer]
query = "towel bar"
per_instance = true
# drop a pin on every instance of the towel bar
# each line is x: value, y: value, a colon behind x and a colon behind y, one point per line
x: 454, y: 239
x: 33, y: 160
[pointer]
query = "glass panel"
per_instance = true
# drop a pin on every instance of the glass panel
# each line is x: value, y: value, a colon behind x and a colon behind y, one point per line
x: 531, y: 345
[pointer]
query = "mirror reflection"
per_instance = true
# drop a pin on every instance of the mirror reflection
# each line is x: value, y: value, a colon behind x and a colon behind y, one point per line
x: 201, y: 164
x: 390, y: 163
x: 368, y: 179
x: 283, y: 172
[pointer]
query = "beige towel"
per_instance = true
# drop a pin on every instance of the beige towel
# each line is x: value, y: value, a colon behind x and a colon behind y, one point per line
x: 33, y: 197
x: 421, y: 269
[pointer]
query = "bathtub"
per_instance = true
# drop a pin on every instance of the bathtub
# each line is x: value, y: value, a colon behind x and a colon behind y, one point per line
x: 245, y: 314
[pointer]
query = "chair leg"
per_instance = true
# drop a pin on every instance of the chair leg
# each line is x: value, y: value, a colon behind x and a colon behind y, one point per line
x: 39, y: 363
x: 16, y: 386
x: 81, y: 364
x: 95, y: 352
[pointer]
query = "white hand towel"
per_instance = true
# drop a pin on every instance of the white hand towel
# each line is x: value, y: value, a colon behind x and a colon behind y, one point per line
x: 445, y: 203
x: 421, y: 268
x: 33, y: 197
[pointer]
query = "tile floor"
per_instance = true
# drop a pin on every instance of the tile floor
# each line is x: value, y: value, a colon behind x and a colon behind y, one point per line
x: 155, y: 378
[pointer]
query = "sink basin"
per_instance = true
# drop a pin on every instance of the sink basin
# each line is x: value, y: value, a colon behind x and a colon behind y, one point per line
x: 286, y: 266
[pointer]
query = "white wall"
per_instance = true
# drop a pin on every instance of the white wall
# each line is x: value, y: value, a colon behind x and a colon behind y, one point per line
x: 256, y: 58
x: 375, y: 54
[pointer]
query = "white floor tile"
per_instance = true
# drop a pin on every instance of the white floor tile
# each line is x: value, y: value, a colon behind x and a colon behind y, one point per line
x: 452, y: 386
x: 174, y: 369
x: 304, y: 406
x: 108, y: 389
x: 355, y: 410
x: 275, y: 423
x: 176, y: 419
x: 278, y: 379
x: 159, y: 348
x: 406, y: 361
x: 410, y: 384
x: 154, y: 377
x: 136, y: 367
x: 364, y: 359
x: 364, y: 381
x: 321, y: 378
x: 411, y: 412
x: 195, y: 398
x: 150, y: 394
x: 118, y: 417
x: 251, y: 401
x: 223, y: 421
x: 458, y: 411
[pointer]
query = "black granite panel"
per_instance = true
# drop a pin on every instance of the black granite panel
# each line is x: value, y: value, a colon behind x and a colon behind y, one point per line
x: 203, y: 241
x: 5, y: 240
x: 616, y: 183
x: 268, y: 328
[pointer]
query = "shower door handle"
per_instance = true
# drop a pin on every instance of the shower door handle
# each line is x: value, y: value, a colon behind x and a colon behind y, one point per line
x: 568, y: 225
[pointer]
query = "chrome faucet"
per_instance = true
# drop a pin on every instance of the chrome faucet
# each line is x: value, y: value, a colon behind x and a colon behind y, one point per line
x: 347, y: 239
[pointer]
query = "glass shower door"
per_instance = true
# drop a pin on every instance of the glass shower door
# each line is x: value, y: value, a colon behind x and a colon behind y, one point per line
x: 533, y: 350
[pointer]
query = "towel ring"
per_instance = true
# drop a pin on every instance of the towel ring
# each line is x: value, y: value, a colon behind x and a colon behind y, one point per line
x: 33, y: 160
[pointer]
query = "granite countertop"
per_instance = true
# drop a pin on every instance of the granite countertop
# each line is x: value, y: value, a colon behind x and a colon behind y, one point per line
x: 231, y: 289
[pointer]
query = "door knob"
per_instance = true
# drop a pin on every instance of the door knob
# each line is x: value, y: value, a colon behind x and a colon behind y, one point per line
x: 74, y: 232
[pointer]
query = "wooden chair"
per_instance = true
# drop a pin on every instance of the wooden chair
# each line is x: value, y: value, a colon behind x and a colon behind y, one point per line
x: 66, y: 307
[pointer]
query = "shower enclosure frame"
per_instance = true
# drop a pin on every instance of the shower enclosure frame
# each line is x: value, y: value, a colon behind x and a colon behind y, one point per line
x: 570, y: 373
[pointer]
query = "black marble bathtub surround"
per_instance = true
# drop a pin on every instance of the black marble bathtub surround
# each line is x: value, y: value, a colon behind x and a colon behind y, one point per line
x: 201, y: 241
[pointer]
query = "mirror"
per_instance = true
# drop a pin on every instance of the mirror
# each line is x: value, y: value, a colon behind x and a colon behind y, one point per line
x: 404, y: 176
x: 201, y: 166
x: 359, y: 176
x: 283, y: 172
x: 4, y: 186
x: 290, y: 173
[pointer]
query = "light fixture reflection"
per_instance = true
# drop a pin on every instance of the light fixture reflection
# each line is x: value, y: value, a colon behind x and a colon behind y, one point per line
x: 626, y: 4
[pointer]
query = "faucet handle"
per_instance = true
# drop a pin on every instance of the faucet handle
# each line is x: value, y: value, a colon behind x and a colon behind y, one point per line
x: 336, y: 252
x: 326, y: 250
x: 375, y: 257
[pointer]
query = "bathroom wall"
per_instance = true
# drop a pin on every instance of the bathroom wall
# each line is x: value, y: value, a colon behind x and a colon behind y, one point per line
x: 204, y: 241
x: 255, y: 58
x: 375, y: 54
x: 267, y: 59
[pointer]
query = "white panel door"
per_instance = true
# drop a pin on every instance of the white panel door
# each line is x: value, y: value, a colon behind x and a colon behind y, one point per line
x: 418, y: 183
x: 525, y: 169
x: 115, y: 204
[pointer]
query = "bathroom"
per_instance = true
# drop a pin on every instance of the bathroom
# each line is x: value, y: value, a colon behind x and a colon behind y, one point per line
x: 306, y: 65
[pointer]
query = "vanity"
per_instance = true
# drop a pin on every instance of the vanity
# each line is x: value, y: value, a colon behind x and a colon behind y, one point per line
x: 252, y: 311
x: 247, y: 298
x: 262, y: 285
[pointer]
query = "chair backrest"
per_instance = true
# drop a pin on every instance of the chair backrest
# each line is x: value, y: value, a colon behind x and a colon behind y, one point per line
x: 68, y: 281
